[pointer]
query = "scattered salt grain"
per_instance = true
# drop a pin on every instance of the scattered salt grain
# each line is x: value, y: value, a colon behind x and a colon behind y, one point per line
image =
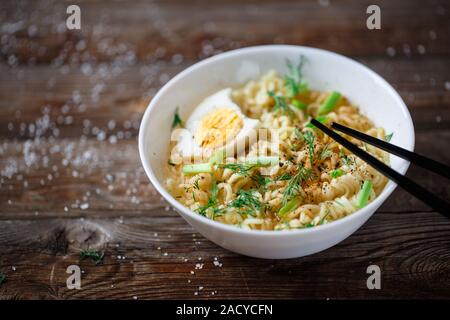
x: 432, y: 34
x: 324, y: 3
x: 447, y: 85
x: 421, y: 49
x: 390, y: 51
x: 84, y: 206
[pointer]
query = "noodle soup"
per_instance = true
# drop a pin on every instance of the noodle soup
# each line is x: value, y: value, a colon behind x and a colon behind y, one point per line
x: 223, y: 167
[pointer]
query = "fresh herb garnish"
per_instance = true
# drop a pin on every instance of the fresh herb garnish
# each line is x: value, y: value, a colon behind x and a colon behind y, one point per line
x: 289, y: 206
x: 261, y: 181
x: 195, y: 184
x: 293, y: 187
x: 298, y: 134
x: 293, y: 81
x: 321, y: 119
x: 345, y: 159
x: 212, y: 202
x: 388, y: 137
x: 325, y: 153
x: 177, y: 120
x: 247, y: 202
x: 309, y: 138
x: 336, y: 173
x: 285, y: 176
x: 239, y: 168
x: 2, y: 278
x: 280, y: 104
x: 94, y: 255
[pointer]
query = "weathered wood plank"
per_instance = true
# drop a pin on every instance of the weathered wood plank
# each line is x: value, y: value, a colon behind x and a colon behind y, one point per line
x: 73, y: 177
x: 412, y: 251
x: 120, y: 98
x: 163, y: 28
x: 80, y: 183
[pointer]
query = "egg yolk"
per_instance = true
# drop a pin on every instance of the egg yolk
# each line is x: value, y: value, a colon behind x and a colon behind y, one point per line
x: 218, y: 127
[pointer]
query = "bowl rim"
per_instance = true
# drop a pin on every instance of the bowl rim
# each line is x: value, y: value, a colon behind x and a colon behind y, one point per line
x: 372, y: 206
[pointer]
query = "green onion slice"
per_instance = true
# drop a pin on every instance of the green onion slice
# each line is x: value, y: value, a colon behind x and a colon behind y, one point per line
x: 336, y: 173
x: 363, y: 196
x: 197, y: 168
x: 262, y: 161
x: 289, y: 206
x: 299, y: 104
x: 217, y: 157
x: 329, y: 103
x: 321, y: 119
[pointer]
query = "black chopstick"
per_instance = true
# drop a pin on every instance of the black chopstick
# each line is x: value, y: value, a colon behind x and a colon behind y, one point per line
x: 416, y: 190
x: 415, y: 158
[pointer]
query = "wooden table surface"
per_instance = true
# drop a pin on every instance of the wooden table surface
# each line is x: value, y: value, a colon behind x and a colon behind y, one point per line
x: 71, y: 178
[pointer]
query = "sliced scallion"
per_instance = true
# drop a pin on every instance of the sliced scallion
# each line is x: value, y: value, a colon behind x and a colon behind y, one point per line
x: 217, y: 157
x: 197, y: 168
x: 330, y: 103
x: 299, y: 104
x: 321, y: 119
x: 336, y: 173
x: 289, y: 206
x: 363, y: 196
x: 262, y: 161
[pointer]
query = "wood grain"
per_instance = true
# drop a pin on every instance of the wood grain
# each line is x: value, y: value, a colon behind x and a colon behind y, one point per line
x: 71, y: 179
x: 411, y: 250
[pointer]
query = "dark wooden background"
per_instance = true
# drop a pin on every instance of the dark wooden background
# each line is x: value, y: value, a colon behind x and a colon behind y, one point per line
x: 71, y: 179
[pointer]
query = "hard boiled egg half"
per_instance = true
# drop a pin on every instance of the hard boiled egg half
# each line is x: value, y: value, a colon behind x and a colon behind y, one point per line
x: 217, y: 123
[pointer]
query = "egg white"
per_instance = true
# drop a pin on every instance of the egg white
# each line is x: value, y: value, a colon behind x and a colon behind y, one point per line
x: 187, y: 146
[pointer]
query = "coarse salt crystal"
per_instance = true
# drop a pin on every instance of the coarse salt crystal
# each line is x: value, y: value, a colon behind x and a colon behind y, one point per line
x: 84, y: 206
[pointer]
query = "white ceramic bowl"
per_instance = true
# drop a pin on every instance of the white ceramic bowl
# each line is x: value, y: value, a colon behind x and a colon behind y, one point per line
x: 324, y: 71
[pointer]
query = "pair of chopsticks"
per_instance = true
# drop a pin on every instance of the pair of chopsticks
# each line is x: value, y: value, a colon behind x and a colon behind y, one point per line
x: 412, y: 187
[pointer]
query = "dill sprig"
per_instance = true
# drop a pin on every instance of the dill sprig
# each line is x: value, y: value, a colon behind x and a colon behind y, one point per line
x: 280, y: 104
x: 285, y: 176
x: 298, y: 134
x: 388, y: 137
x: 293, y: 187
x: 94, y: 255
x: 212, y: 203
x: 2, y: 278
x: 345, y: 158
x: 195, y: 184
x: 293, y: 81
x: 309, y: 138
x: 247, y: 202
x: 240, y: 168
x: 325, y: 153
x: 261, y: 181
x: 177, y: 119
